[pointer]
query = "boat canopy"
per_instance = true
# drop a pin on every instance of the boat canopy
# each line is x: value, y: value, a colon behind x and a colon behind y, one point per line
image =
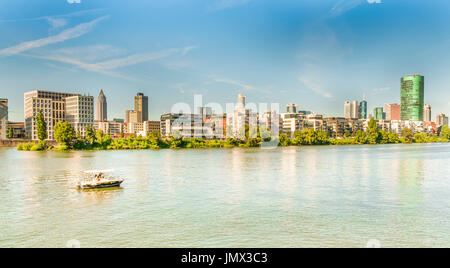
x: 98, y: 171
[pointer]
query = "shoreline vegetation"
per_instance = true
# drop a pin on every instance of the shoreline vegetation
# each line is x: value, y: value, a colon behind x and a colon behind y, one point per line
x: 97, y: 140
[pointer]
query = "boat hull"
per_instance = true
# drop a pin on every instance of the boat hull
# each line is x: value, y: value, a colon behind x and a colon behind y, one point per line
x: 101, y: 185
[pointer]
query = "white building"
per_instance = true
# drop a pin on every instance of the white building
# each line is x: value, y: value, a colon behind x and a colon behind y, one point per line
x: 427, y: 113
x: 80, y: 113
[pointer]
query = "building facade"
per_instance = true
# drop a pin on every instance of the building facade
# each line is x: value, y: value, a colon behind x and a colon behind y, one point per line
x: 441, y: 120
x: 102, y: 107
x: 18, y: 129
x: 292, y: 108
x: 3, y: 119
x: 378, y: 113
x: 141, y: 107
x: 80, y: 113
x: 363, y: 109
x: 392, y: 111
x: 427, y: 113
x: 52, y: 105
x: 412, y: 98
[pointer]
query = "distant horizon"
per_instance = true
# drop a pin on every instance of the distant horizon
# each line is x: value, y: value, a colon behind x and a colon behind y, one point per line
x: 317, y: 54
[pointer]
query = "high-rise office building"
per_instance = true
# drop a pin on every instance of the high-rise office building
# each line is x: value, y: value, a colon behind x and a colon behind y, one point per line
x: 348, y: 109
x: 412, y: 97
x: 102, y: 107
x: 241, y: 101
x: 52, y: 105
x: 292, y: 108
x: 392, y: 111
x: 378, y: 113
x: 427, y: 113
x: 351, y: 110
x: 363, y: 109
x: 141, y: 107
x: 441, y: 120
x: 3, y: 119
x: 80, y: 113
x: 355, y: 110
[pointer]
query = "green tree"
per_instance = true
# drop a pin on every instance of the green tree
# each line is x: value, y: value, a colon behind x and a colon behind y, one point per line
x: 41, y: 127
x: 10, y: 133
x: 360, y: 137
x: 347, y: 134
x: 64, y: 133
x: 408, y: 135
x: 421, y: 137
x: 445, y: 132
x: 90, y: 135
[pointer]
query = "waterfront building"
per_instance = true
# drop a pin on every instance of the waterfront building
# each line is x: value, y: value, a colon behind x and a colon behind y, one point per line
x: 205, y: 112
x: 441, y: 120
x: 127, y: 116
x: 352, y: 109
x: 52, y: 105
x: 363, y: 109
x: 293, y: 122
x: 355, y: 110
x: 292, y: 108
x: 427, y: 113
x: 348, y: 109
x: 141, y: 107
x: 134, y: 117
x: 337, y: 126
x: 315, y: 121
x: 102, y: 107
x: 217, y: 124
x: 3, y: 119
x: 412, y: 98
x: 80, y: 113
x: 378, y: 113
x: 239, y: 118
x: 18, y: 129
x: 153, y: 126
x: 114, y: 128
x: 272, y: 121
x: 392, y: 111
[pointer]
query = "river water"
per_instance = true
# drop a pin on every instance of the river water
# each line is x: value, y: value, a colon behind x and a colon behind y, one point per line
x: 319, y: 196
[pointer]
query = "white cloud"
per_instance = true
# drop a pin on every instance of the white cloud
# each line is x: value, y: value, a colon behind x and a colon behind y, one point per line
x: 56, y: 22
x: 343, y: 6
x: 68, y: 34
x: 225, y: 4
x: 106, y: 67
x: 243, y: 86
x: 315, y: 85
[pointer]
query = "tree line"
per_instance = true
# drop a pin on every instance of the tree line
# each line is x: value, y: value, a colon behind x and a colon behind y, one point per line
x: 67, y: 139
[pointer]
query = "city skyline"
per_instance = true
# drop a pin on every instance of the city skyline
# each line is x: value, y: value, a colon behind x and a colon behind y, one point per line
x: 317, y: 59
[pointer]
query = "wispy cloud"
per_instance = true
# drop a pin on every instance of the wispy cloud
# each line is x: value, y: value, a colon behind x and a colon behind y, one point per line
x: 243, y: 86
x: 315, y: 85
x: 106, y: 67
x: 343, y: 6
x: 225, y: 4
x: 68, y: 34
x: 57, y: 21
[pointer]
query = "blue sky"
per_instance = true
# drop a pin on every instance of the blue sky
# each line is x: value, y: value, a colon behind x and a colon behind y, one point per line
x: 314, y: 53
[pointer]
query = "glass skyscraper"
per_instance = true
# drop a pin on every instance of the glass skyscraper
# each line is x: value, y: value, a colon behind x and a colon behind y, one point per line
x: 363, y: 109
x: 412, y: 97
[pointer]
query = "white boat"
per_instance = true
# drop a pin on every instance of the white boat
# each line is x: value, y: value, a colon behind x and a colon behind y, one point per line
x: 96, y: 179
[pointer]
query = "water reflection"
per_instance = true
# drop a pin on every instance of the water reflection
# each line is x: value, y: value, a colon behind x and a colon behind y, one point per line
x: 303, y: 196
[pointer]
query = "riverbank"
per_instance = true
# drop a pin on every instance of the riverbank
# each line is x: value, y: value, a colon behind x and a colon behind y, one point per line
x: 138, y: 143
